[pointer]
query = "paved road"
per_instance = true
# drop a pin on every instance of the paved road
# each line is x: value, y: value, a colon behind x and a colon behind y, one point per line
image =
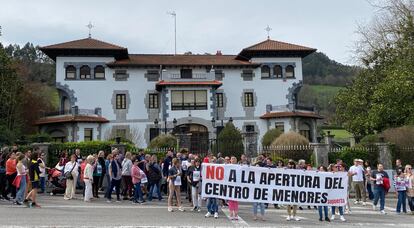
x: 57, y: 212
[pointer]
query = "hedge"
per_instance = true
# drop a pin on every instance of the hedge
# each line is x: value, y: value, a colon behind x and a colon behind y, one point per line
x: 86, y: 148
x: 347, y: 155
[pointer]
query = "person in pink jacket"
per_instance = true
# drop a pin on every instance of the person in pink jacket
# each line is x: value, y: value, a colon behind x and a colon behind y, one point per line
x: 136, y: 180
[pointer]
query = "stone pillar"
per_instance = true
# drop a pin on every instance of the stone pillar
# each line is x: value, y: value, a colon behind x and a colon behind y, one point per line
x: 352, y: 141
x: 320, y: 152
x: 384, y: 153
x: 42, y: 147
x: 329, y: 138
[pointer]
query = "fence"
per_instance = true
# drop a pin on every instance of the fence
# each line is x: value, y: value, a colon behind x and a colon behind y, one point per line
x: 295, y: 152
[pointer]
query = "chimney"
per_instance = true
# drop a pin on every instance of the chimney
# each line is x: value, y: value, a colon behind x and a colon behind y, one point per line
x: 219, y: 52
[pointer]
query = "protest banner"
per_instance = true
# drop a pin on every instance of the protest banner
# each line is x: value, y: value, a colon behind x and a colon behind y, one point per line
x: 273, y: 185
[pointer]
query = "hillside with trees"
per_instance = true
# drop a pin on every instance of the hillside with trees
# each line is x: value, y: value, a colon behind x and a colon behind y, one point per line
x: 26, y: 90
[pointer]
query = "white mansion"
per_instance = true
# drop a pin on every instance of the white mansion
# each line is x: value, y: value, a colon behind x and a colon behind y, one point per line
x: 105, y: 92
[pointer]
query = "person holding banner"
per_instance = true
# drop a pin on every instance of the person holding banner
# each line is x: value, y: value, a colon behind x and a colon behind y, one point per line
x: 334, y: 168
x: 291, y: 209
x: 194, y: 178
x: 233, y: 204
x: 174, y: 177
x: 325, y: 208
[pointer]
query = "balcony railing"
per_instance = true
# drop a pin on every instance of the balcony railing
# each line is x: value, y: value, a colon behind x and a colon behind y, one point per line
x: 289, y: 108
x: 194, y: 77
x: 73, y: 111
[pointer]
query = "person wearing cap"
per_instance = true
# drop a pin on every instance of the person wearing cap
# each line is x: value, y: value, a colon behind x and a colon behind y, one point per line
x: 357, y: 172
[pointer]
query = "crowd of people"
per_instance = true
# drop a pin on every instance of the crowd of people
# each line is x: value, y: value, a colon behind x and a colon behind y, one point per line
x: 139, y: 177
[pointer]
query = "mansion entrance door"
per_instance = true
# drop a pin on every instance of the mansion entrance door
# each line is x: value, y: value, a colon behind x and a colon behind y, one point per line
x: 193, y: 137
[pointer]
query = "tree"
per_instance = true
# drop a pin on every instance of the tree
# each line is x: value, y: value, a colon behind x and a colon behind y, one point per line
x: 381, y: 96
x: 270, y: 136
x: 10, y: 99
x: 230, y: 141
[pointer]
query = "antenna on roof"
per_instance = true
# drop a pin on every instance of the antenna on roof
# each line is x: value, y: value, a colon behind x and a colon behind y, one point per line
x: 90, y: 26
x: 268, y: 29
x: 172, y: 13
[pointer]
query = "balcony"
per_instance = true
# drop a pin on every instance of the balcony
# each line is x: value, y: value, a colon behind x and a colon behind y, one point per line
x: 193, y: 77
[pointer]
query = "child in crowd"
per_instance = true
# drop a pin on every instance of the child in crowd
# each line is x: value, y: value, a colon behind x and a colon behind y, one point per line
x: 401, y: 184
x: 233, y: 205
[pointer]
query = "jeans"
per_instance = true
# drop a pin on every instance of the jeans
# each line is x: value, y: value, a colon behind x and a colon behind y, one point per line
x: 42, y: 184
x: 411, y: 203
x: 259, y: 206
x: 154, y: 186
x: 379, y: 194
x: 212, y: 205
x: 22, y: 190
x: 117, y: 185
x: 341, y: 210
x: 138, y: 192
x: 325, y: 210
x: 402, y: 198
x: 369, y: 190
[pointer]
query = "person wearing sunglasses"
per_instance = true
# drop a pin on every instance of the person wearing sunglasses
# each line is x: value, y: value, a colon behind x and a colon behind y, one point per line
x: 410, y: 187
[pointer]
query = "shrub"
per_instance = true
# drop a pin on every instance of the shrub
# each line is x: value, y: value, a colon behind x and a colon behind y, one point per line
x: 163, y: 141
x: 290, y: 138
x: 270, y: 136
x: 231, y: 141
x: 347, y: 155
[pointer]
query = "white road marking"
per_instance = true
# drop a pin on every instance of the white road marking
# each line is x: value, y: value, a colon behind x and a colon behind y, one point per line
x: 239, y: 222
x: 388, y: 208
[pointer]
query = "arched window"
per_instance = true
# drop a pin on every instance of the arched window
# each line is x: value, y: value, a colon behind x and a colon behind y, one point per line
x: 99, y: 72
x: 85, y: 72
x: 290, y: 72
x: 70, y: 72
x: 277, y: 71
x: 265, y: 71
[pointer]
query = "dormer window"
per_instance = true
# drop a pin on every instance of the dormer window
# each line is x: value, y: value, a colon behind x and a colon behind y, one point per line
x: 277, y: 71
x: 290, y: 71
x: 265, y: 71
x: 99, y: 72
x: 70, y: 72
x: 85, y: 72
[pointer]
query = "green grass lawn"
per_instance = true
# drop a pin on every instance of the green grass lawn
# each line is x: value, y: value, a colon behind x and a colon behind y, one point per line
x: 325, y: 89
x: 340, y: 134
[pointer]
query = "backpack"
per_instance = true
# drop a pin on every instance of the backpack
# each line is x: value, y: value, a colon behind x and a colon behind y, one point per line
x: 154, y: 174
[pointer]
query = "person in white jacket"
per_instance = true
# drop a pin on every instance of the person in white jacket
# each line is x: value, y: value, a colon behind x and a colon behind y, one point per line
x: 88, y: 178
x: 71, y: 167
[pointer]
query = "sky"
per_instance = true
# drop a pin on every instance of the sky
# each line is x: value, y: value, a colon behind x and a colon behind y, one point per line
x: 202, y: 26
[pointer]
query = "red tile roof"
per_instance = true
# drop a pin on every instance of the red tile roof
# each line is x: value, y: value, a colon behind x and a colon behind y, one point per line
x: 85, y: 47
x: 189, y: 83
x: 180, y: 60
x: 271, y: 115
x: 71, y: 119
x: 274, y: 45
x: 88, y: 43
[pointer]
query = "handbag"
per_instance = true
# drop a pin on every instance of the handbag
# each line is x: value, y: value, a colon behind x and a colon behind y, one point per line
x: 68, y: 175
